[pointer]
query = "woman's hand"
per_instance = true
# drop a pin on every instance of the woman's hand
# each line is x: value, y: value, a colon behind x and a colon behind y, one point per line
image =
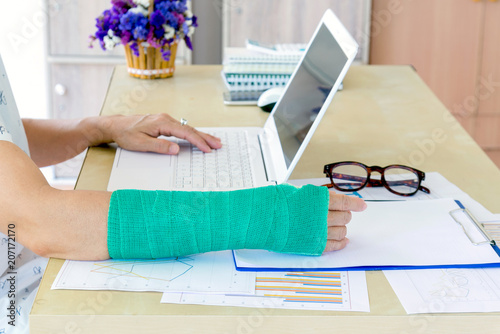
x: 338, y: 217
x: 141, y: 132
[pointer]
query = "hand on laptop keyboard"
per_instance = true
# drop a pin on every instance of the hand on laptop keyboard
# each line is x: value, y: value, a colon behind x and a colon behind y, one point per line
x: 141, y: 132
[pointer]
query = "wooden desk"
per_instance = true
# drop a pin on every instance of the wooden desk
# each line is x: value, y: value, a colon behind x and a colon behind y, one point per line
x: 384, y: 115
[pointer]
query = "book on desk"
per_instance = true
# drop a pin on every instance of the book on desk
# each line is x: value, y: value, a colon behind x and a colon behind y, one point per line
x: 246, y: 73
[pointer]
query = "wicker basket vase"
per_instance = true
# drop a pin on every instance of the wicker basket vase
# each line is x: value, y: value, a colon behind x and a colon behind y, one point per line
x: 150, y: 63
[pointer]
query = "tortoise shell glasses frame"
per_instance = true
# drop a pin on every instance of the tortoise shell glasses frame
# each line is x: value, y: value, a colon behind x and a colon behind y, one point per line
x: 340, y: 180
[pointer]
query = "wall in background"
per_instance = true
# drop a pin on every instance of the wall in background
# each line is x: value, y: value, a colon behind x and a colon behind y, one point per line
x: 455, y: 48
x: 207, y: 40
x: 292, y: 21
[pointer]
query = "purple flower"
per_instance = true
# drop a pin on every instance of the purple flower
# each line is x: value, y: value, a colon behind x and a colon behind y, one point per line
x: 91, y: 41
x: 152, y: 40
x: 165, y: 53
x: 172, y: 20
x: 163, y: 8
x: 122, y: 6
x: 126, y: 21
x: 188, y: 42
x: 130, y: 20
x: 135, y: 26
x: 126, y: 37
x: 157, y: 19
x: 180, y: 18
x: 159, y: 33
x: 135, y: 48
x: 185, y: 28
x: 107, y: 21
x: 140, y: 33
x: 179, y: 6
x: 100, y: 34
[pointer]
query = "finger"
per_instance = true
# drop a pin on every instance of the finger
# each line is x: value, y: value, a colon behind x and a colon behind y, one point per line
x: 339, y: 218
x: 151, y: 144
x: 188, y: 133
x: 339, y: 202
x: 164, y: 124
x: 213, y: 142
x: 334, y: 245
x: 337, y: 233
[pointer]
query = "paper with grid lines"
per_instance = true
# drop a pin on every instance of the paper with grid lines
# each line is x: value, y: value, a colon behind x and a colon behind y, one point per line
x: 212, y: 272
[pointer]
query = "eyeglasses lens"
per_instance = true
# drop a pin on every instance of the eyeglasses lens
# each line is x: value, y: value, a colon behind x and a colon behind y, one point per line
x: 401, y: 180
x: 349, y: 177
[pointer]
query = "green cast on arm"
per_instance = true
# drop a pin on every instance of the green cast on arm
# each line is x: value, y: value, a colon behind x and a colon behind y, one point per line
x: 156, y: 224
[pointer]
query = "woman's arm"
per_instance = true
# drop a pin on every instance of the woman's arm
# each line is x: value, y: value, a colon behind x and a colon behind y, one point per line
x: 56, y: 223
x: 72, y: 224
x: 53, y: 141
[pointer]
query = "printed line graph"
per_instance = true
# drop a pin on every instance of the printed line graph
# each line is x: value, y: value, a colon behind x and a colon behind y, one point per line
x: 209, y: 273
x: 119, y: 268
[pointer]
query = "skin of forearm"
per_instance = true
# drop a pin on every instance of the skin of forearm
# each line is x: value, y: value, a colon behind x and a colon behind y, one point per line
x: 53, y: 223
x: 53, y: 141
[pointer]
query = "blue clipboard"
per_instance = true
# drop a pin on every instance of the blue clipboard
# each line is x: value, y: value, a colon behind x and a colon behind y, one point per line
x: 461, y: 209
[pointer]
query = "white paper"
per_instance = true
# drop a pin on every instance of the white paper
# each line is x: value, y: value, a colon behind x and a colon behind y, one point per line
x: 333, y: 291
x: 447, y: 290
x: 209, y: 272
x: 406, y: 233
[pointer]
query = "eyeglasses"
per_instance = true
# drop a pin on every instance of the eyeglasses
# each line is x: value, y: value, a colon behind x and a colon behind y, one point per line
x: 353, y: 176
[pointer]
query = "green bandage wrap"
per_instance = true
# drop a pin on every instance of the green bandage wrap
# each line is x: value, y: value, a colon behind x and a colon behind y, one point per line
x: 156, y: 224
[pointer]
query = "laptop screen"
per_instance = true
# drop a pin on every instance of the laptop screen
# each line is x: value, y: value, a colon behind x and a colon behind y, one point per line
x: 307, y: 91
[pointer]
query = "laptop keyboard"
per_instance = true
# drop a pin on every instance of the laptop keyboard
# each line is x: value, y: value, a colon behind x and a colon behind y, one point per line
x: 228, y: 167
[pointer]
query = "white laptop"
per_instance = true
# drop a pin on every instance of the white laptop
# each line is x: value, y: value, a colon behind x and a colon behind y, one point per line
x: 252, y: 157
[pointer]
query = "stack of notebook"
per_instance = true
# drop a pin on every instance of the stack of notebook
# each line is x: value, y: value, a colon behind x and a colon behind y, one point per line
x: 245, y: 70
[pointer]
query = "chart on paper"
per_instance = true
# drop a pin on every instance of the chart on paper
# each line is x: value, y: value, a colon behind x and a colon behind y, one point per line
x: 447, y: 290
x: 492, y: 226
x: 334, y: 291
x: 209, y: 273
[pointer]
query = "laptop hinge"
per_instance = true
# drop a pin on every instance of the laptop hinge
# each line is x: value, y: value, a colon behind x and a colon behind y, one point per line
x: 264, y: 159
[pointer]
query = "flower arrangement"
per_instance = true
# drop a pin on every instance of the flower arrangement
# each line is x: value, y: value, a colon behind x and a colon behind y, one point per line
x: 142, y: 21
x: 138, y: 24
